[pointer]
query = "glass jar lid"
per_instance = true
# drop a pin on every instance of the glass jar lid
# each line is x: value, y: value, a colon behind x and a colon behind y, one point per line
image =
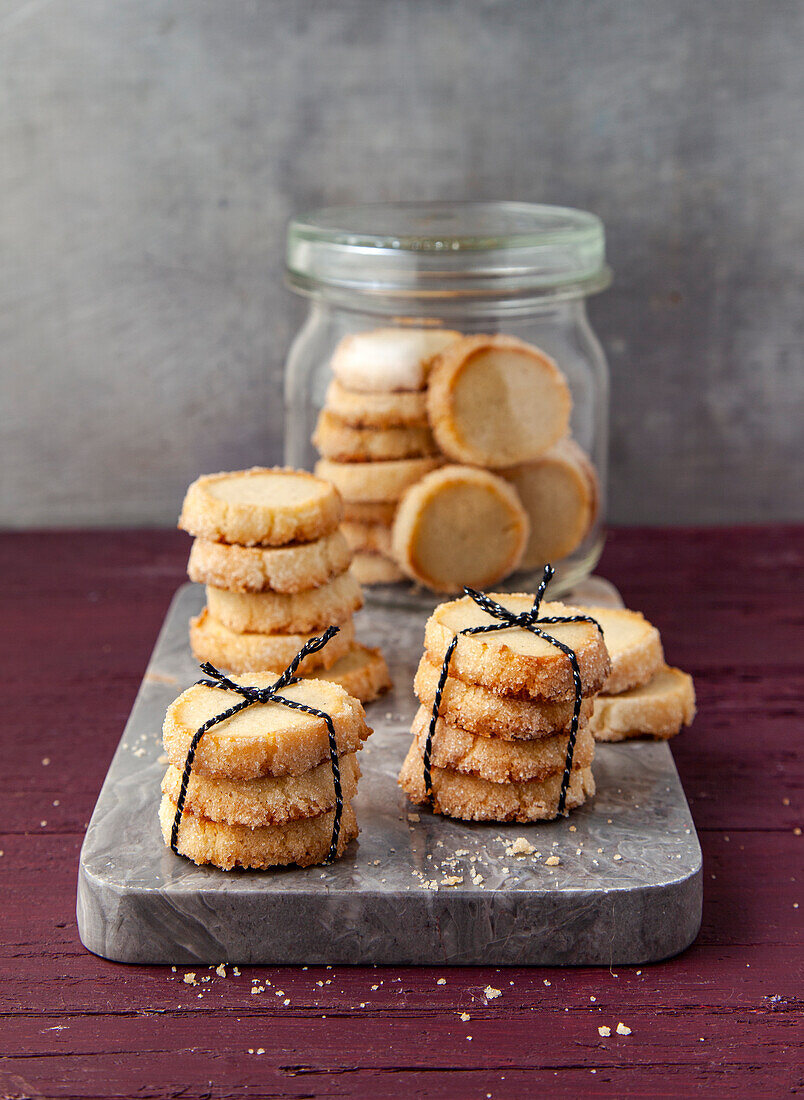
x: 448, y: 250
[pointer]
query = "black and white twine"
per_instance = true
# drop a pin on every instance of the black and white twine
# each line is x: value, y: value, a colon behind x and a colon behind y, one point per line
x: 527, y: 620
x: 251, y: 696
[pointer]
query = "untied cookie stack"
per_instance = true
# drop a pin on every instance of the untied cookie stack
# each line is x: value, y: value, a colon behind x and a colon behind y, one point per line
x: 499, y: 745
x: 277, y: 572
x: 643, y: 696
x: 374, y: 437
x: 261, y: 791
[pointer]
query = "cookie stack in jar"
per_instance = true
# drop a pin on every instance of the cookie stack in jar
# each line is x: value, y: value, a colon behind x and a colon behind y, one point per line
x: 506, y: 735
x: 374, y: 436
x: 277, y: 571
x: 454, y: 457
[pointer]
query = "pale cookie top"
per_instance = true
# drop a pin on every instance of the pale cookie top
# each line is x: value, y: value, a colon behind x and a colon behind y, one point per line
x: 388, y: 359
x: 496, y: 401
x: 634, y: 645
x: 514, y: 660
x: 264, y: 739
x: 261, y: 506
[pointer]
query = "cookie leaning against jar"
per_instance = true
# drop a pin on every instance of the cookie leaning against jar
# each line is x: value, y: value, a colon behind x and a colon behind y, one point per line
x: 496, y: 401
x: 293, y: 577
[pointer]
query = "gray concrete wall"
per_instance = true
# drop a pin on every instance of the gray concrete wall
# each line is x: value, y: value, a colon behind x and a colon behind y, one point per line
x: 151, y: 152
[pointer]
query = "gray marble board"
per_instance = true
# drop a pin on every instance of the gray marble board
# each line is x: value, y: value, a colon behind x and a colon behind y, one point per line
x: 627, y: 888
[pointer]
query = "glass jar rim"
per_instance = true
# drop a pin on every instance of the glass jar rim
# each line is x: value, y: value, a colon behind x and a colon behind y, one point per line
x: 447, y: 249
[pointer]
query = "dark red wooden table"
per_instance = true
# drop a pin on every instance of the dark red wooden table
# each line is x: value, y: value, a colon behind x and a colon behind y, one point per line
x: 80, y: 614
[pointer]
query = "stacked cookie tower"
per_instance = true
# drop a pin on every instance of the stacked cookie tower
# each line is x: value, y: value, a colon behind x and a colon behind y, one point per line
x: 500, y: 742
x: 643, y: 696
x: 261, y: 792
x: 518, y: 491
x: 277, y: 572
x: 374, y: 437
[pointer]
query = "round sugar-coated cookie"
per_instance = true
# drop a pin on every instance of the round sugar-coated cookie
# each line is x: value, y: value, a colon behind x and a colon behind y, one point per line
x: 634, y: 645
x: 211, y: 640
x: 377, y: 410
x: 264, y: 739
x: 459, y: 525
x: 658, y: 709
x: 375, y: 481
x: 336, y: 439
x: 371, y: 568
x: 559, y: 492
x: 496, y: 401
x: 500, y: 761
x: 303, y: 842
x: 276, y: 612
x: 387, y: 359
x: 362, y: 672
x: 514, y: 661
x: 487, y: 714
x: 273, y: 800
x: 470, y: 798
x: 368, y: 511
x: 372, y: 538
x: 292, y: 568
x: 261, y: 507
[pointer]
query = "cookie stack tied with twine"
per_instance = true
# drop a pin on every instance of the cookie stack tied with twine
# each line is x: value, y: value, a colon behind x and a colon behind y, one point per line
x: 506, y: 686
x: 263, y: 768
x: 276, y: 570
x: 643, y: 696
x: 374, y: 437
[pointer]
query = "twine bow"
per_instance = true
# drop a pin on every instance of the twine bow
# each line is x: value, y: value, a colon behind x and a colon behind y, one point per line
x: 251, y: 696
x: 526, y: 620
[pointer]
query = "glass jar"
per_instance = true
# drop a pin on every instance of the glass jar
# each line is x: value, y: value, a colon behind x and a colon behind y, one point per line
x: 511, y: 268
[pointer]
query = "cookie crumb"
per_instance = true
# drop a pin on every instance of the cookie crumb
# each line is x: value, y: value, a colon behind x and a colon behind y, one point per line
x: 520, y: 847
x: 490, y: 993
x: 413, y: 817
x: 465, y: 1017
x: 617, y: 857
x: 552, y: 861
x: 189, y: 978
x: 622, y: 1029
x: 441, y: 981
x: 45, y: 761
x: 604, y: 1031
x: 546, y: 982
x: 220, y: 970
x: 452, y: 880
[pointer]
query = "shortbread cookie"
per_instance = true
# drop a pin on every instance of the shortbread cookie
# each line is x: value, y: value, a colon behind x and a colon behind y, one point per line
x: 336, y: 439
x: 657, y: 709
x: 304, y: 842
x: 264, y: 739
x: 367, y: 511
x: 228, y: 650
x: 292, y: 568
x: 496, y: 401
x: 362, y: 672
x: 375, y: 481
x: 473, y: 799
x: 514, y: 661
x: 500, y: 761
x: 634, y: 646
x: 377, y: 410
x: 261, y: 507
x: 388, y: 359
x: 376, y: 569
x: 487, y: 714
x: 560, y: 495
x: 275, y: 612
x: 372, y: 538
x: 458, y: 526
x: 273, y: 800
